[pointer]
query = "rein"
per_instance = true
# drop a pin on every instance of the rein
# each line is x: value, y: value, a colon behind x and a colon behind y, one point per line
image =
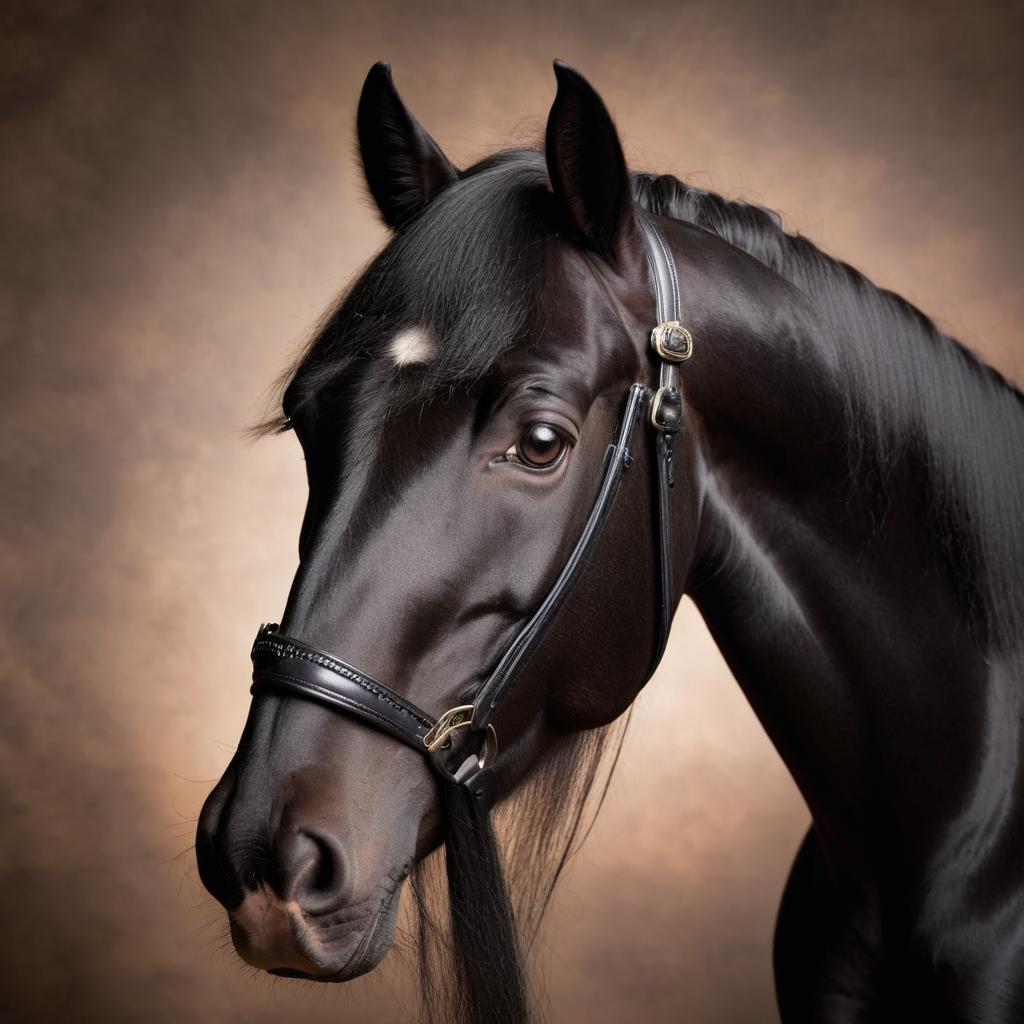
x: 461, y: 744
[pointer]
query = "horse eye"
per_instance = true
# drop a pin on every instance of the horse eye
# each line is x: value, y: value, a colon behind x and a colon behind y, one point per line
x: 541, y: 446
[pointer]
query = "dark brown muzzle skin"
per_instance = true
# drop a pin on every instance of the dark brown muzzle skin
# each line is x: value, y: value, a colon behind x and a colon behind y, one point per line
x: 309, y: 836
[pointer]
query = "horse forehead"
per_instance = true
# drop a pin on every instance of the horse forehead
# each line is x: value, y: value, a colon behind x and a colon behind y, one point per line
x: 583, y: 341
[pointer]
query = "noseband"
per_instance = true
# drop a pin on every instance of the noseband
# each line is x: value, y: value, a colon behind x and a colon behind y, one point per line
x: 461, y: 743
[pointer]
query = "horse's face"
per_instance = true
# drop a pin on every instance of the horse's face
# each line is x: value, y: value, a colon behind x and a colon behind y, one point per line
x: 443, y: 502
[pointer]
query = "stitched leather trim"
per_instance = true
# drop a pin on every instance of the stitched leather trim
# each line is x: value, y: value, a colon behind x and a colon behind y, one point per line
x: 266, y: 643
x: 266, y: 681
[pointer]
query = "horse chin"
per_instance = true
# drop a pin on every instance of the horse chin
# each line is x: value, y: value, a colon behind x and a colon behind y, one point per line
x: 274, y: 936
x: 377, y: 941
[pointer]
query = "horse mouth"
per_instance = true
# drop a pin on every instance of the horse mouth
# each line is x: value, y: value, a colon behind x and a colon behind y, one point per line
x: 304, y: 954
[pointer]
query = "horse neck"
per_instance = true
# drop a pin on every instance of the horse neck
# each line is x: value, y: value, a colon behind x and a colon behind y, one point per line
x: 837, y: 596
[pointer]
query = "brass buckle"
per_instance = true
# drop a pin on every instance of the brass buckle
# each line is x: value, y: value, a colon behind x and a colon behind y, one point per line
x: 672, y: 341
x: 667, y: 410
x: 454, y: 718
x: 461, y: 717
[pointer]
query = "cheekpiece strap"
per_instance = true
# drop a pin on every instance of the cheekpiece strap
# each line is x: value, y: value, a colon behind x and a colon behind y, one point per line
x: 671, y: 341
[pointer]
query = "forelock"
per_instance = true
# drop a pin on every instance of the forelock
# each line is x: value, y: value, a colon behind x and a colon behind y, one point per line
x: 452, y: 291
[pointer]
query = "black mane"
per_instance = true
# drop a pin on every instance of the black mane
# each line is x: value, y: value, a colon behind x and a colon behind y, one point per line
x: 914, y: 395
x: 759, y: 232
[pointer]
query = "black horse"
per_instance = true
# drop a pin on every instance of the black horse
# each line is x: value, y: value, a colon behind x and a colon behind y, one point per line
x: 847, y: 511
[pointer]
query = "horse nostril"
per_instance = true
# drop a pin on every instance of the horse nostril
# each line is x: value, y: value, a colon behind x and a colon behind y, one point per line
x: 314, y: 870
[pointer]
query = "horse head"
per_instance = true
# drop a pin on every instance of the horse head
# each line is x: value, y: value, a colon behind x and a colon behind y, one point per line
x: 455, y: 414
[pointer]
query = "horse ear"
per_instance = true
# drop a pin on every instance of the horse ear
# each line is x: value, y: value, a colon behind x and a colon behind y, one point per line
x: 404, y: 166
x: 586, y: 165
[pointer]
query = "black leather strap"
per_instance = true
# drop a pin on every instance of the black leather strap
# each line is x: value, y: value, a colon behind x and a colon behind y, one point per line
x: 663, y: 270
x: 284, y: 663
x: 666, y: 587
x: 617, y: 460
x: 673, y: 344
x: 667, y: 305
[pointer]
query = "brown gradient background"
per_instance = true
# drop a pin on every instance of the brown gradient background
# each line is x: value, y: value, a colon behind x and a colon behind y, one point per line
x: 180, y: 200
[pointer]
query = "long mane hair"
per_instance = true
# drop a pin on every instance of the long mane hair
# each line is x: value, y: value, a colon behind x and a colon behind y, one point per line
x: 538, y: 829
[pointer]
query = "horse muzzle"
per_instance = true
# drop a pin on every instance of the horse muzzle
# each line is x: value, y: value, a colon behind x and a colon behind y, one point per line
x: 279, y: 937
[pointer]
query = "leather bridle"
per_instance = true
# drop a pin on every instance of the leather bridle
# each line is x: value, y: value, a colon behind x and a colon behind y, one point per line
x: 461, y: 744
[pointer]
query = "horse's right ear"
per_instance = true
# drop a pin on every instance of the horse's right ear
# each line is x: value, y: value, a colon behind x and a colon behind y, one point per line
x: 404, y: 166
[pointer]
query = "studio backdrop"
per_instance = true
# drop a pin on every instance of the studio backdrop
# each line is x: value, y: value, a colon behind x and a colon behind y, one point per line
x: 181, y: 200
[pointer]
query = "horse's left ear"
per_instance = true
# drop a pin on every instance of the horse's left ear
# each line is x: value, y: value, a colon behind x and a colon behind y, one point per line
x: 404, y: 166
x: 586, y: 165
